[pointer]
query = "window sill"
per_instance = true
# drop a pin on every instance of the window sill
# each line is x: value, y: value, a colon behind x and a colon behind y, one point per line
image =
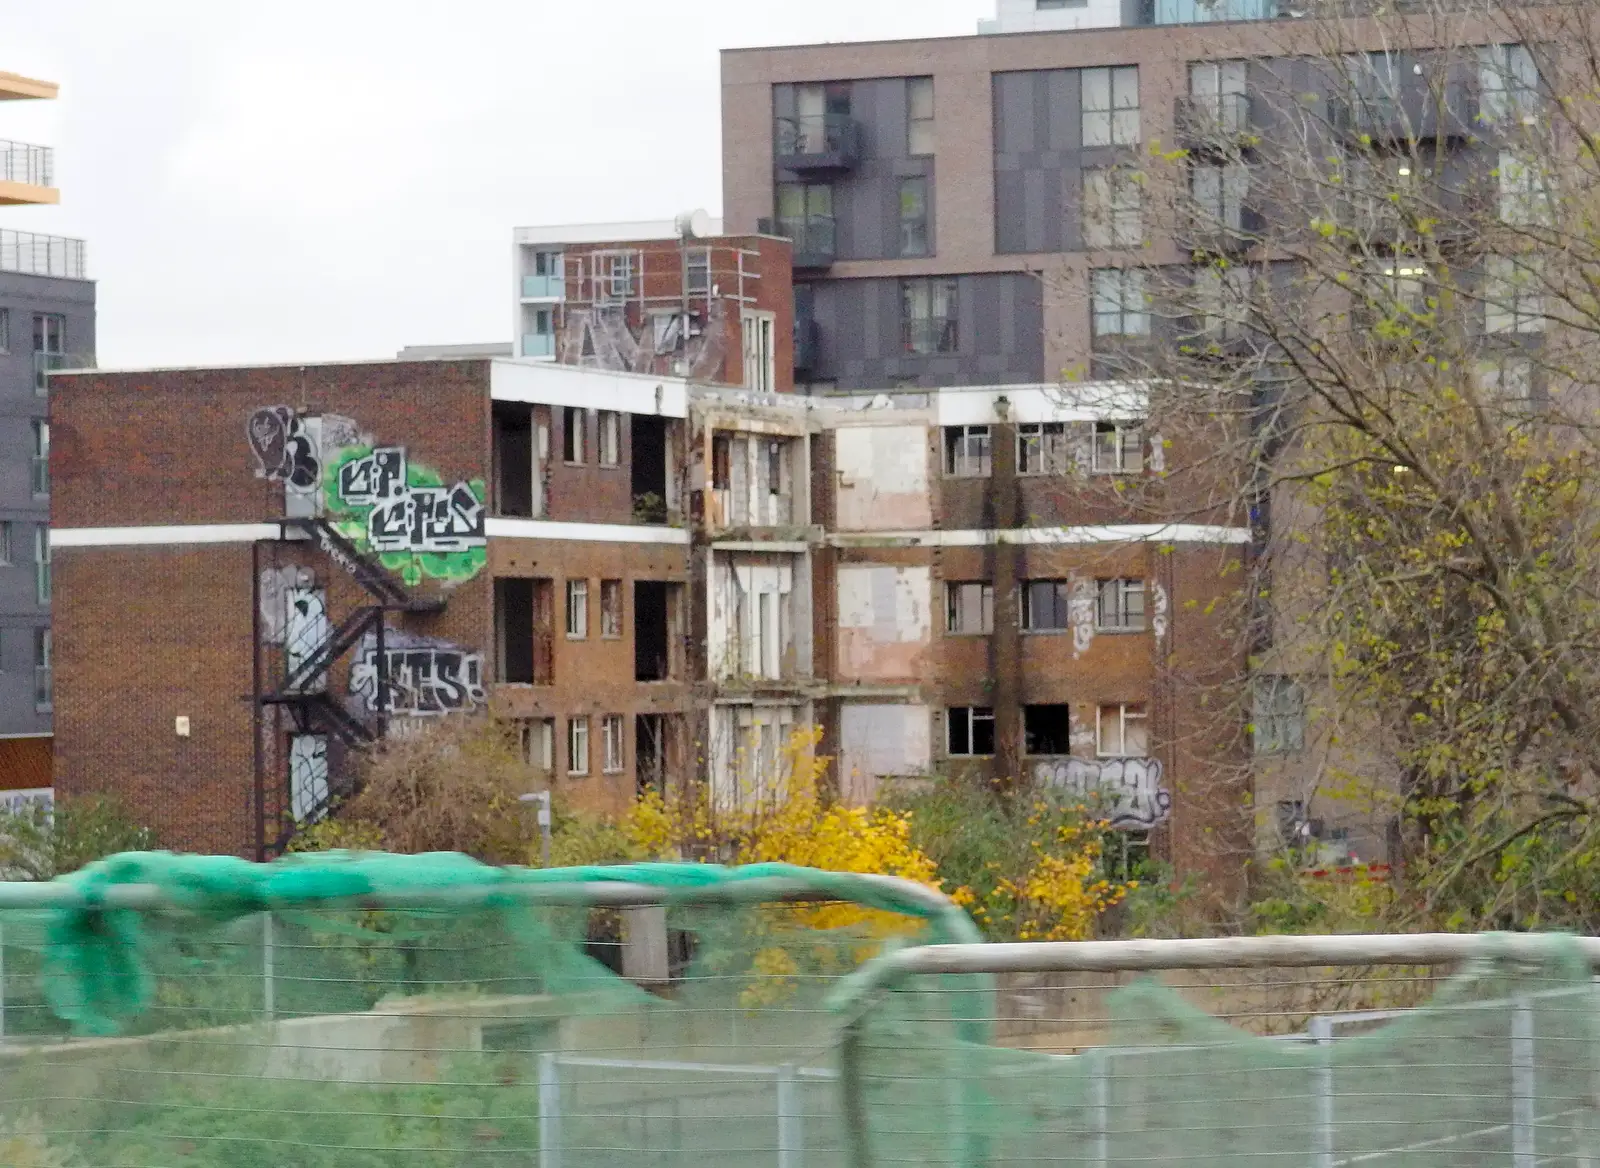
x: 952, y: 475
x: 1046, y: 632
x: 963, y: 633
x: 1117, y: 631
x: 577, y: 637
x: 577, y: 774
x: 969, y: 756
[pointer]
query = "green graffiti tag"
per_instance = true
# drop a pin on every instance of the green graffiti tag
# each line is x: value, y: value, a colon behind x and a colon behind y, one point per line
x: 405, y: 514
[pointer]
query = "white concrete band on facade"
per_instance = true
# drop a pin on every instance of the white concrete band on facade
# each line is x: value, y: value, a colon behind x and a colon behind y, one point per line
x: 1046, y: 536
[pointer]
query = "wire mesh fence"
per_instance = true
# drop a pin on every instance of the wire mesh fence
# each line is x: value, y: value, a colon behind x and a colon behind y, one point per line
x: 437, y: 1021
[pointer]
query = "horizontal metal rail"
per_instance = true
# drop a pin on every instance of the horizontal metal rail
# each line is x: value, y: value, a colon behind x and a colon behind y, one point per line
x: 1199, y: 953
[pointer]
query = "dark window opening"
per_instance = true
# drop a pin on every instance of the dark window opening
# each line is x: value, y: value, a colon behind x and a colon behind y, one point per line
x: 513, y: 458
x: 513, y: 619
x: 721, y: 462
x: 652, y: 642
x: 648, y: 463
x: 650, y: 753
x: 1046, y: 730
x: 970, y: 730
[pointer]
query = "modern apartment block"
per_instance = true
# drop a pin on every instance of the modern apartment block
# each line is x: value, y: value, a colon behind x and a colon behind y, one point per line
x: 46, y: 324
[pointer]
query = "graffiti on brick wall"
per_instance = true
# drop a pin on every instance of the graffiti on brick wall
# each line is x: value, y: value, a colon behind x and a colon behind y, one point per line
x: 276, y: 586
x: 1127, y: 791
x: 308, y: 776
x: 1158, y: 618
x: 377, y: 496
x: 426, y: 676
x: 685, y: 344
x: 1081, y: 614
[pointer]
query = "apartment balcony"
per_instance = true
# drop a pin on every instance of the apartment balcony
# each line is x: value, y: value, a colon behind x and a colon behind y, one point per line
x: 27, y: 174
x: 538, y: 345
x: 817, y: 143
x: 1212, y: 122
x: 44, y: 364
x: 544, y: 287
x: 1386, y: 117
x: 815, y: 239
x: 1161, y: 12
x: 41, y: 255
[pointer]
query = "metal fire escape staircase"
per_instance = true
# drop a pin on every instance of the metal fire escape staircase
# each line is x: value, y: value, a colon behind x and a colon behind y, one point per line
x: 302, y: 689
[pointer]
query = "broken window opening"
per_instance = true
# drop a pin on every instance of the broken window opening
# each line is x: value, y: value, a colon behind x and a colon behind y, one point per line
x: 652, y: 639
x: 1046, y: 729
x: 970, y: 730
x: 1044, y: 606
x: 513, y: 618
x: 513, y: 459
x: 611, y: 608
x: 650, y: 753
x: 648, y: 467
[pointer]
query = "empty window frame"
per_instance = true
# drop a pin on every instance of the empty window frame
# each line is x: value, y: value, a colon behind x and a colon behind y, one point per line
x: 967, y: 453
x: 1121, y: 308
x: 611, y: 609
x: 969, y: 731
x: 538, y: 742
x: 968, y: 608
x: 1513, y: 294
x: 1113, y: 207
x: 919, y: 116
x: 1278, y: 715
x: 1042, y: 448
x: 577, y: 609
x: 1119, y: 606
x: 612, y: 744
x: 914, y: 216
x: 572, y: 434
x: 1118, y: 448
x: 1110, y: 106
x: 578, y: 746
x: 1045, y: 606
x: 1046, y: 730
x: 928, y: 320
x: 1121, y: 730
x: 609, y: 425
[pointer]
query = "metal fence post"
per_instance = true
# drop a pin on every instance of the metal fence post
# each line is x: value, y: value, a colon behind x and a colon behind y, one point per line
x: 549, y: 1112
x: 1523, y: 1085
x: 1100, y: 1104
x: 269, y: 963
x: 1321, y: 1032
x: 791, y: 1152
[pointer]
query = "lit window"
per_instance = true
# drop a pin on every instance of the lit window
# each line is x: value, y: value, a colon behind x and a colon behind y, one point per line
x: 1121, y: 731
x: 970, y: 730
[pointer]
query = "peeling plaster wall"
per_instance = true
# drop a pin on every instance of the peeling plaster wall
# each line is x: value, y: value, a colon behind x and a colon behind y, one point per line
x: 885, y: 622
x: 755, y: 611
x: 879, y: 740
x: 882, y: 478
x: 747, y: 750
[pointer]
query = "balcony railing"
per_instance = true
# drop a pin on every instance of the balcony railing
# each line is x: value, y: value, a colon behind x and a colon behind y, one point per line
x: 24, y: 163
x: 44, y: 364
x: 543, y: 287
x: 1421, y: 116
x: 41, y: 255
x: 538, y: 345
x: 817, y: 142
x: 815, y: 238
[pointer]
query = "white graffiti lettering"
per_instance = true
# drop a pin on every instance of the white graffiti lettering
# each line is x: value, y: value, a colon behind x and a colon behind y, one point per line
x: 1127, y: 791
x: 380, y: 475
x: 1158, y: 619
x: 285, y: 446
x: 308, y: 776
x: 276, y: 583
x: 426, y: 676
x: 1080, y: 614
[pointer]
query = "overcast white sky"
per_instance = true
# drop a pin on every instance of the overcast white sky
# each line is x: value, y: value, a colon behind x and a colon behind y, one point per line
x: 303, y: 180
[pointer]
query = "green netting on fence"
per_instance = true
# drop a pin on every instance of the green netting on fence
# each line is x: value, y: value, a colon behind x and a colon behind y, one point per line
x: 1501, y: 1066
x: 419, y: 1012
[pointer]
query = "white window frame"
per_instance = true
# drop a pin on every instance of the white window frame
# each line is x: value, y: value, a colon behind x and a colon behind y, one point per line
x: 697, y: 271
x: 1042, y: 448
x: 1123, y: 455
x: 1119, y: 303
x: 578, y: 745
x: 613, y: 745
x: 1109, y: 105
x: 972, y: 716
x: 965, y: 456
x: 1113, y: 207
x: 955, y: 606
x: 1119, y: 605
x: 609, y: 438
x: 758, y: 343
x: 1116, y: 718
x: 577, y: 610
